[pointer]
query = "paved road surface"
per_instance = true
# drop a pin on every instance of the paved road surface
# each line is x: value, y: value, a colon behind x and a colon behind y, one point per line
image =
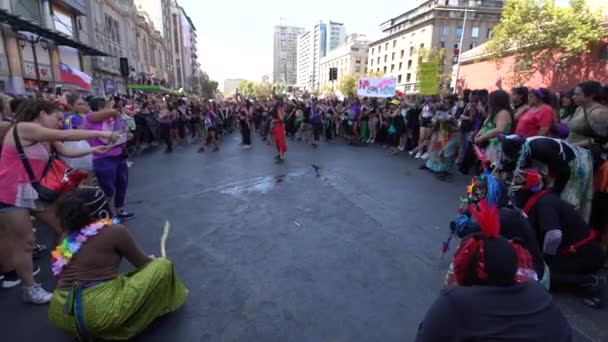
x: 348, y: 251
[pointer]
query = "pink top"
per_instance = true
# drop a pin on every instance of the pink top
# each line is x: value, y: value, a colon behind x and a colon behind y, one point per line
x: 531, y: 121
x: 15, y: 186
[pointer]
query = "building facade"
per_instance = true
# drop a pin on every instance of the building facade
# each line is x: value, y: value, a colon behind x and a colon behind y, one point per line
x: 432, y: 25
x: 36, y: 37
x: 150, y: 65
x: 160, y: 14
x: 349, y: 58
x: 285, y: 47
x: 189, y: 51
x: 336, y: 35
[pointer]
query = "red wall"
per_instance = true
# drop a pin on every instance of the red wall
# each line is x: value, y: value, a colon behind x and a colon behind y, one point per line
x: 489, y: 74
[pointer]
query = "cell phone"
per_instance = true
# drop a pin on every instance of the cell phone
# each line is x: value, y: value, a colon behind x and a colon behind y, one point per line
x: 58, y: 90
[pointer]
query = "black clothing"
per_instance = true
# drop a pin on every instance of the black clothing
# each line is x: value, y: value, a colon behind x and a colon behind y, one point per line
x: 514, y: 226
x: 522, y: 312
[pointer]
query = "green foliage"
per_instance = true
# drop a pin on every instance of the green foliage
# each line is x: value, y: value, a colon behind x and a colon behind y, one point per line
x: 208, y: 87
x: 536, y: 31
x: 348, y: 85
x: 246, y: 89
x: 372, y: 73
x: 264, y: 90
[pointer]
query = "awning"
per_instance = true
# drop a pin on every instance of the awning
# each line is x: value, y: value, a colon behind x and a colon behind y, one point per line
x: 153, y: 89
x: 18, y: 23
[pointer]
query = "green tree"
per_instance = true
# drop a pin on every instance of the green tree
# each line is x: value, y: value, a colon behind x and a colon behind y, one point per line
x: 348, y: 85
x: 279, y: 88
x: 539, y: 34
x: 246, y: 89
x: 207, y: 86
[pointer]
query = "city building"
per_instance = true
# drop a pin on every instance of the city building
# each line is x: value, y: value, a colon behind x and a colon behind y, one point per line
x: 435, y: 25
x: 36, y: 37
x: 160, y: 13
x: 231, y: 85
x: 349, y: 58
x: 189, y: 51
x: 336, y: 35
x: 312, y: 46
x: 113, y: 28
x: 150, y: 64
x: 285, y: 54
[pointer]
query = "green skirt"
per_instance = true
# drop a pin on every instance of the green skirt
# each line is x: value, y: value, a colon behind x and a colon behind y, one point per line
x: 120, y: 308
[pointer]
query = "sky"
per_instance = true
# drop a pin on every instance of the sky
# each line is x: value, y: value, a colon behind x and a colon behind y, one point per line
x: 235, y: 37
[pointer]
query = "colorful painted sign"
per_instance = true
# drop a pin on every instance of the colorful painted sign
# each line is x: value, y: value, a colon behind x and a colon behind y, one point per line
x: 377, y: 87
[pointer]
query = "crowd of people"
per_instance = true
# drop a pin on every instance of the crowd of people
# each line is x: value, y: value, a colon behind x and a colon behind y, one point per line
x: 532, y: 218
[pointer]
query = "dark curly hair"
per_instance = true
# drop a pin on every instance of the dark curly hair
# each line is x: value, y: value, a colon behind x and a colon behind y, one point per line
x: 80, y: 207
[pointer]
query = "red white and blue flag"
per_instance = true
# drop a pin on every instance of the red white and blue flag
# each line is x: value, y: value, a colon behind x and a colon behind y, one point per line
x: 74, y: 76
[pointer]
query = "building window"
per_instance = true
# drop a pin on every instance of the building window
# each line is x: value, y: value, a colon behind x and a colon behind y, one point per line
x: 455, y: 60
x: 475, y: 32
x: 399, y: 79
x: 372, y: 63
x: 386, y: 46
x: 422, y: 46
x: 392, y: 67
x: 459, y: 32
x: 373, y: 49
x: 378, y: 60
x: 416, y: 87
x: 456, y: 46
x: 409, y: 64
x: 411, y: 50
x: 394, y: 42
x: 604, y: 53
x: 445, y: 31
x: 366, y: 70
x: 402, y: 53
x: 408, y: 77
x: 472, y: 45
x: 379, y: 48
x: 400, y: 65
x: 393, y: 56
x: 358, y: 60
x: 385, y: 69
x: 408, y: 87
x: 357, y: 69
x: 385, y: 58
x: 442, y: 44
x: 378, y: 70
x: 490, y: 33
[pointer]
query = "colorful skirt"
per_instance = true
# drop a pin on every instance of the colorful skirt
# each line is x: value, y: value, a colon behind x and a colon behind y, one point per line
x: 120, y: 308
x: 442, y: 154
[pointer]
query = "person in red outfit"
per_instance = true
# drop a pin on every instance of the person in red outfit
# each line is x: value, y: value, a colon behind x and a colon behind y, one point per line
x: 539, y: 118
x: 279, y: 132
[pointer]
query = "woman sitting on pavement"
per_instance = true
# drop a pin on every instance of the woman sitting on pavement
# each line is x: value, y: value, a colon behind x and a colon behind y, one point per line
x: 492, y: 302
x: 94, y: 301
x: 38, y: 129
x: 572, y: 249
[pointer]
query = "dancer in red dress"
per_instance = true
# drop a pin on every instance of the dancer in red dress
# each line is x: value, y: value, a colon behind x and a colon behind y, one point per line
x: 279, y: 132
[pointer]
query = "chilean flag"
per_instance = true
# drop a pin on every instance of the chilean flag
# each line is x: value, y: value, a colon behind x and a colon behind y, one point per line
x: 74, y: 76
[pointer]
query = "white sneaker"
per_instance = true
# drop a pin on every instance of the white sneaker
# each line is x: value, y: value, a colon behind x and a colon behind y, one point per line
x: 36, y: 295
x: 11, y: 279
x: 425, y: 156
x: 418, y: 155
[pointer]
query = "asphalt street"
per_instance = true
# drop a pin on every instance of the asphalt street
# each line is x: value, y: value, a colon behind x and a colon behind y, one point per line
x: 339, y: 243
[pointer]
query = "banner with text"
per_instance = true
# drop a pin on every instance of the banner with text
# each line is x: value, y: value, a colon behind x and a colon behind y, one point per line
x: 377, y: 87
x: 429, y: 78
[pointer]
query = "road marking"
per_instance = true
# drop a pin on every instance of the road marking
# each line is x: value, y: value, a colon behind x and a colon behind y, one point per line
x: 163, y: 239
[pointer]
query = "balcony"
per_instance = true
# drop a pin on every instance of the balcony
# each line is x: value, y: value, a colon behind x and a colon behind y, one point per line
x: 78, y: 6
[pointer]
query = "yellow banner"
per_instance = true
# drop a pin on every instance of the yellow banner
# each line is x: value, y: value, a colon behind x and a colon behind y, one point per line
x: 429, y: 78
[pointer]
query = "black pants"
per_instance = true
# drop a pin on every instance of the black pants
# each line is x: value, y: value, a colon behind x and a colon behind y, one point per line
x: 577, y: 269
x: 165, y: 135
x: 245, y: 134
x: 317, y: 129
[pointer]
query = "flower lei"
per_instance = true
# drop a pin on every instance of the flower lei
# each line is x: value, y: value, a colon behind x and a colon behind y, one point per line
x: 63, y: 254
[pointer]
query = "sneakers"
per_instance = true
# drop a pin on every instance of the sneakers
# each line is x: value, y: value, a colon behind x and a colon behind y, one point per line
x: 36, y: 295
x: 125, y: 216
x: 38, y: 251
x: 11, y: 279
x: 418, y: 155
x: 425, y: 155
x: 593, y: 292
x: 216, y: 149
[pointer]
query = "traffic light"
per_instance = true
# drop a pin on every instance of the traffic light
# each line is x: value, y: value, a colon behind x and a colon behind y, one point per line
x: 333, y: 74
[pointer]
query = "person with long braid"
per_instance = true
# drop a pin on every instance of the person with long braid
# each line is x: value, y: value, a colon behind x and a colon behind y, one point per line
x: 492, y: 300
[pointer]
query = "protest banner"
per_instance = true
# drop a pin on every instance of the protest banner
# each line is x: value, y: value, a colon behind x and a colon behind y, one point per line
x: 377, y: 87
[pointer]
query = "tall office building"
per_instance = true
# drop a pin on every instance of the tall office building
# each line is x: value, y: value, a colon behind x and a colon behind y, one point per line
x: 314, y: 44
x: 336, y: 35
x: 285, y: 53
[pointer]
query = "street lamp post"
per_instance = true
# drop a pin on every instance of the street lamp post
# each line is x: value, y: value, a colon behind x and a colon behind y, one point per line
x: 34, y: 40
